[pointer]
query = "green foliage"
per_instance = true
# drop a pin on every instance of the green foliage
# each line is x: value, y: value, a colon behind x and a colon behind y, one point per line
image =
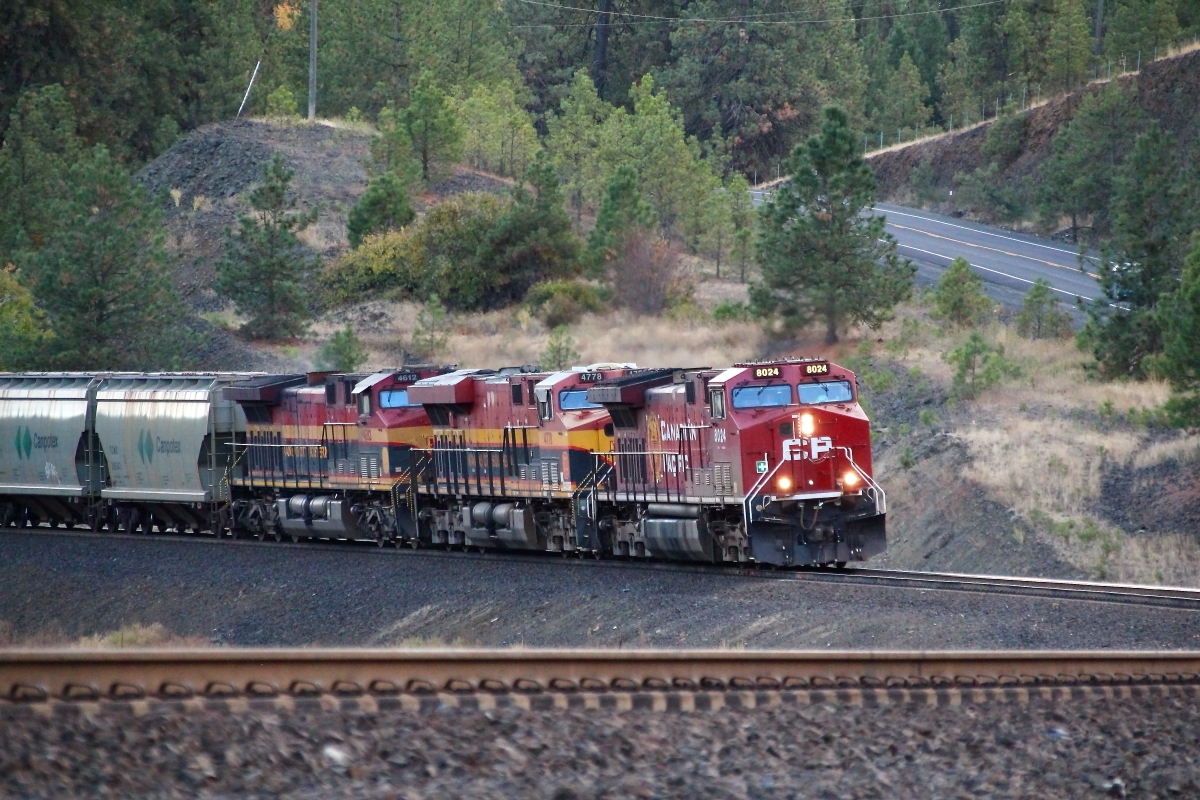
x: 392, y: 149
x: 731, y: 312
x: 23, y: 332
x: 560, y: 352
x: 1005, y: 138
x: 498, y: 135
x: 281, y: 104
x: 102, y: 275
x: 1141, y: 27
x: 984, y: 190
x: 383, y: 207
x: 928, y: 417
x: 901, y: 103
x: 820, y: 256
x: 534, y: 241
x: 389, y: 264
x: 623, y: 213
x: 907, y: 461
x: 1077, y: 179
x: 455, y: 234
x: 1068, y: 47
x: 562, y: 302
x: 430, y: 336
x: 343, y: 352
x: 1153, y: 216
x: 266, y: 271
x: 1040, y: 317
x: 923, y: 180
x: 959, y: 298
x: 979, y: 365
x: 1180, y: 361
x: 574, y: 141
x: 433, y: 128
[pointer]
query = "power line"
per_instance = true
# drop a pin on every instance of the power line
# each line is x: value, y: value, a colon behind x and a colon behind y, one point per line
x: 648, y: 19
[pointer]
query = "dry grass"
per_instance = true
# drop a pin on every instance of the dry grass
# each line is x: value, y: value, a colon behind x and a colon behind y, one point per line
x: 134, y: 635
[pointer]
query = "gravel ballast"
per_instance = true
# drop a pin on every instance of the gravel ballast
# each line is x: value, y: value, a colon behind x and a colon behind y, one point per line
x: 1144, y: 748
x: 58, y: 587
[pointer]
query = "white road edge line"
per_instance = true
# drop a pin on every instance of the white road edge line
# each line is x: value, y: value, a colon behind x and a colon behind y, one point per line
x: 996, y: 271
x: 987, y: 233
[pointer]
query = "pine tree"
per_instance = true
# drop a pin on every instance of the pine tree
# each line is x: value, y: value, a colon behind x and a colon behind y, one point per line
x: 902, y: 104
x: 383, y: 207
x: 959, y: 297
x: 624, y: 212
x: 560, y: 352
x: 102, y: 276
x: 1153, y: 217
x: 343, y: 353
x: 1040, y: 317
x: 1068, y: 48
x: 433, y: 128
x: 534, y: 241
x: 498, y: 135
x: 821, y: 256
x: 266, y: 271
x: 1180, y: 360
x: 574, y: 141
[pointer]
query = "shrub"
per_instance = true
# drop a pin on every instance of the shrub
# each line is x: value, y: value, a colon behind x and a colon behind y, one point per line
x: 980, y: 364
x: 281, y: 103
x: 384, y: 206
x: 562, y: 302
x: 432, y: 333
x: 560, y: 350
x: 391, y: 264
x: 731, y: 312
x: 457, y: 232
x: 1040, y: 316
x: 343, y: 353
x: 645, y: 273
x: 959, y: 297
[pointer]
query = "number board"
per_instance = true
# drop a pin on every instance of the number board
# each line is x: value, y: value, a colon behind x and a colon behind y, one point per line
x: 591, y: 377
x: 766, y: 372
x: 406, y: 377
x: 816, y: 369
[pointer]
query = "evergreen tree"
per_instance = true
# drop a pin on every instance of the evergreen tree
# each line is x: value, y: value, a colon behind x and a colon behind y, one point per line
x: 560, y: 352
x: 1040, y: 317
x: 1068, y: 48
x: 902, y: 104
x: 919, y: 33
x: 1141, y: 28
x: 1086, y: 153
x: 23, y: 332
x: 1153, y: 217
x: 959, y: 297
x: 39, y: 147
x: 820, y: 255
x: 392, y: 149
x: 1180, y: 360
x: 624, y: 212
x: 266, y: 271
x: 534, y: 241
x: 1022, y: 48
x: 498, y: 135
x: 383, y: 207
x: 102, y: 276
x: 344, y: 352
x: 433, y: 128
x: 575, y: 139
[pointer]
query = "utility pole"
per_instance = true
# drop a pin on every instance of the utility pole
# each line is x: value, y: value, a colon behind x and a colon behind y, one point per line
x: 312, y: 62
x: 600, y: 54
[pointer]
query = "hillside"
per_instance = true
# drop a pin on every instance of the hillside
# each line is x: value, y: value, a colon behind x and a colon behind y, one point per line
x: 1168, y: 91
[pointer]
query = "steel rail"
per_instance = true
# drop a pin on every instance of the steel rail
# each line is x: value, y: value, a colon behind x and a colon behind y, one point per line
x: 1055, y: 588
x: 45, y: 675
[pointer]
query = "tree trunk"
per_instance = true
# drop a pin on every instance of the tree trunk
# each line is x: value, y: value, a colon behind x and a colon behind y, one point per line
x: 600, y: 54
x: 831, y: 336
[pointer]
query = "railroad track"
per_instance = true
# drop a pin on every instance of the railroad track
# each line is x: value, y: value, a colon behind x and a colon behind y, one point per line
x: 418, y: 679
x: 1162, y: 596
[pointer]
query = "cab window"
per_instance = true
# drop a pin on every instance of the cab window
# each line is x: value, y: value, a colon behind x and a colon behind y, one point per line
x: 364, y: 404
x: 574, y: 400
x: 812, y: 394
x: 716, y: 399
x: 762, y: 396
x: 395, y: 398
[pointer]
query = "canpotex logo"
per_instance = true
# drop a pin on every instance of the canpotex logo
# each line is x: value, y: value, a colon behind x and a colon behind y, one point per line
x: 146, y: 447
x: 24, y: 443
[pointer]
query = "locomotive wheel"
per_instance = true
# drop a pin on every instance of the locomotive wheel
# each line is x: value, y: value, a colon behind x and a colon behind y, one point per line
x: 295, y: 537
x: 260, y: 534
x: 839, y: 564
x: 146, y: 525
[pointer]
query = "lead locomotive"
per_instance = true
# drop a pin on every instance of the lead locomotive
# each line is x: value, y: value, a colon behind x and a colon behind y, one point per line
x: 766, y: 462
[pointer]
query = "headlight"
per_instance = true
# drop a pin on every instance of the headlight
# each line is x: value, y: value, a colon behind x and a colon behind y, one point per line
x: 850, y: 479
x: 785, y: 483
x: 806, y: 424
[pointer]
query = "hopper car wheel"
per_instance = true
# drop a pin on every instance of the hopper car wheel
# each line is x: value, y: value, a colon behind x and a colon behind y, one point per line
x: 260, y: 534
x: 295, y: 538
x: 839, y: 564
x: 146, y: 525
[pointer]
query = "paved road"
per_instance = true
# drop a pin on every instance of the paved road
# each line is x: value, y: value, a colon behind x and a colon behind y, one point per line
x: 1008, y: 262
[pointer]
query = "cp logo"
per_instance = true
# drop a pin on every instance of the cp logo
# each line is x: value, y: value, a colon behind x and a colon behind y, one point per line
x: 813, y: 449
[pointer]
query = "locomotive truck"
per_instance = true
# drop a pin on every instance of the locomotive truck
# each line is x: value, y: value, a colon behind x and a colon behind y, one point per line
x: 764, y: 462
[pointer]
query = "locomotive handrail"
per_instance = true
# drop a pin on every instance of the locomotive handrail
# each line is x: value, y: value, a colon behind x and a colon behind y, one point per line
x: 880, y: 494
x: 759, y: 484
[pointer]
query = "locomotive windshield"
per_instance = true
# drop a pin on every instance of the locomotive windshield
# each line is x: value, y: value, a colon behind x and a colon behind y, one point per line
x: 574, y: 400
x: 827, y: 392
x: 395, y: 398
x: 762, y: 396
